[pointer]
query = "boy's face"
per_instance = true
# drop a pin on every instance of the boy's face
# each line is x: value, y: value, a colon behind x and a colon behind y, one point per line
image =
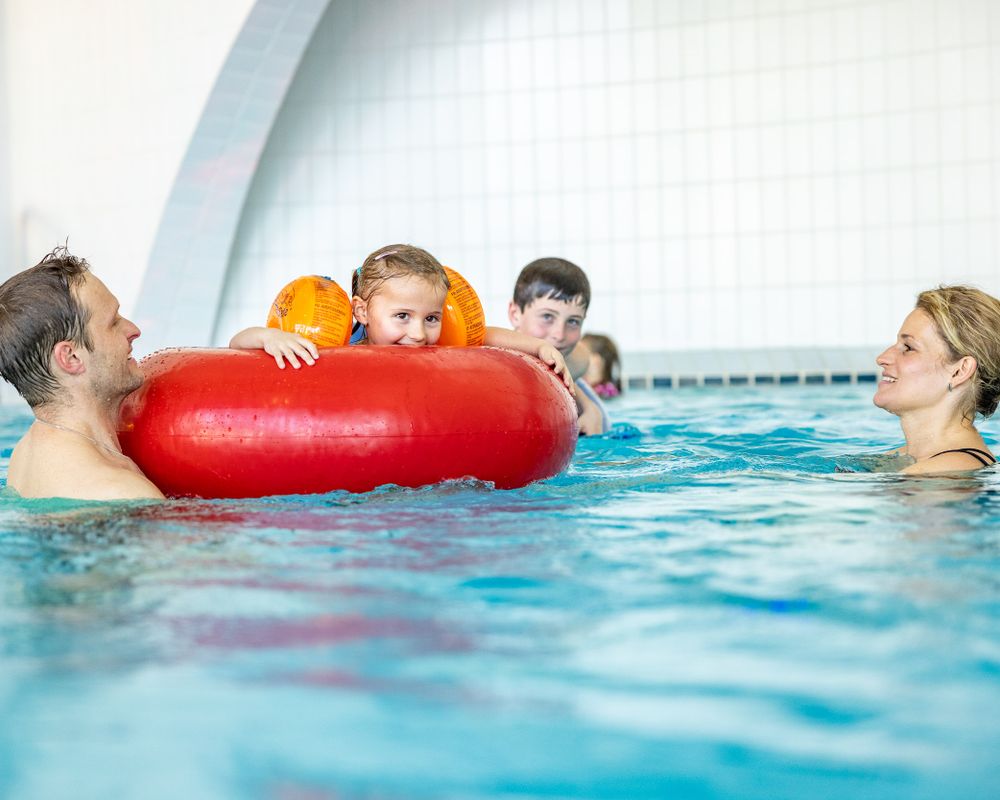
x: 558, y: 322
x: 404, y: 310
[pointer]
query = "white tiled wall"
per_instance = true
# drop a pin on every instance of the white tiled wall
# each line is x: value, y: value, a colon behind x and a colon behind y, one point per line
x: 103, y: 98
x: 98, y: 101
x: 741, y: 173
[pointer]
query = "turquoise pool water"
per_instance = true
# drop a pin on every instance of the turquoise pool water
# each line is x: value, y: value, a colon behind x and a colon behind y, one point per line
x: 702, y: 607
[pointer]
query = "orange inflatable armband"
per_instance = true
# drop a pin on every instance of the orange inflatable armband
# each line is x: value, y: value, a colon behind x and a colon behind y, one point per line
x: 463, y: 323
x: 314, y: 307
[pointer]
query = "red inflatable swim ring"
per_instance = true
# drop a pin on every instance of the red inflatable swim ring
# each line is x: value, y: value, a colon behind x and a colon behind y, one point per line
x: 227, y: 423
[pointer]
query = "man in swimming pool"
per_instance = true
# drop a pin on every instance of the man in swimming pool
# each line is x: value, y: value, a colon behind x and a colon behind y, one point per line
x: 68, y: 352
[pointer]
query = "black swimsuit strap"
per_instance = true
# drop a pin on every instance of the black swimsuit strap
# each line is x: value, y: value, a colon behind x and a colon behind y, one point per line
x: 981, y: 456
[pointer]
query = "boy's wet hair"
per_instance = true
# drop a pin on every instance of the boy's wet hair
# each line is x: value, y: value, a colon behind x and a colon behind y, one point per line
x: 396, y: 261
x: 553, y: 279
x: 39, y: 308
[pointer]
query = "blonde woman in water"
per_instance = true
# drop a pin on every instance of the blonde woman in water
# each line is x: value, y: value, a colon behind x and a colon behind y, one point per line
x: 943, y: 371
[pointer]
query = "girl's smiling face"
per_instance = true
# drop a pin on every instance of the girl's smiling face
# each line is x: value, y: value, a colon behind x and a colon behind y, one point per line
x: 405, y: 310
x: 916, y: 369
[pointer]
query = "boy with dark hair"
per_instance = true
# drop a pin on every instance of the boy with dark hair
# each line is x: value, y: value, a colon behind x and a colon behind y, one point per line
x: 551, y: 298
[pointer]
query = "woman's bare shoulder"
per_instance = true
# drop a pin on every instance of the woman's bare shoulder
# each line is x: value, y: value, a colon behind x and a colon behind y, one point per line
x: 945, y: 462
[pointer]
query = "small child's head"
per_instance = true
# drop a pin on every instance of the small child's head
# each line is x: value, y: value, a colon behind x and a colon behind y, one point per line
x: 399, y: 294
x: 604, y: 369
x: 550, y: 302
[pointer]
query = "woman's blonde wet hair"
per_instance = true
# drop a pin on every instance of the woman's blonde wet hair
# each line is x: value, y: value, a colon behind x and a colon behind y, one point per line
x: 968, y: 321
x: 397, y: 261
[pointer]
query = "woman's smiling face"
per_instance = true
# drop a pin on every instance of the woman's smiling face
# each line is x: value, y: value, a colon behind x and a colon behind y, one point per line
x: 916, y: 369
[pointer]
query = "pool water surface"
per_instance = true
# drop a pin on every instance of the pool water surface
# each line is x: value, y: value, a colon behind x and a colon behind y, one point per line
x: 702, y: 606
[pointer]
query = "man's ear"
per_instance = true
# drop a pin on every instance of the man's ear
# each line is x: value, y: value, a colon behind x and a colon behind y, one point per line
x: 514, y: 314
x: 67, y: 357
x: 360, y: 309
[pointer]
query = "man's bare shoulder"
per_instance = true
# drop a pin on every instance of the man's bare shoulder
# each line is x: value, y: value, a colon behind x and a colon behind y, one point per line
x: 109, y: 482
x: 76, y: 470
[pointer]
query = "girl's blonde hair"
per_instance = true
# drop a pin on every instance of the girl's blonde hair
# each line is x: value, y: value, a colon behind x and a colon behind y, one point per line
x: 396, y: 261
x: 968, y: 321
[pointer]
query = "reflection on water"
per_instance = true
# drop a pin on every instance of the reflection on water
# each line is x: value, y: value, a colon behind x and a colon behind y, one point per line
x: 702, y: 606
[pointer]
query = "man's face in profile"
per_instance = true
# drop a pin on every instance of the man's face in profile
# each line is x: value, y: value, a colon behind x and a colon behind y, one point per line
x: 113, y: 372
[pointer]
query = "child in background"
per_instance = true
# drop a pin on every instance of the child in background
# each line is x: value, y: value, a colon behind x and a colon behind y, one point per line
x: 604, y: 371
x: 551, y: 298
x: 399, y: 295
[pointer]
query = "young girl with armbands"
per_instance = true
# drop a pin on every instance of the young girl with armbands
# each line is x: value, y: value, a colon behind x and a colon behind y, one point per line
x: 399, y: 299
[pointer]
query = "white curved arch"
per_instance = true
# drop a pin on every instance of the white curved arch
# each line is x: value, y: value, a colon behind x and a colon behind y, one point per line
x: 180, y: 292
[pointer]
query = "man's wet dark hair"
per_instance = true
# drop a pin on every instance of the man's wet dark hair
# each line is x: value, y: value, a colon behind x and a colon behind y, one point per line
x: 554, y: 279
x: 39, y: 308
